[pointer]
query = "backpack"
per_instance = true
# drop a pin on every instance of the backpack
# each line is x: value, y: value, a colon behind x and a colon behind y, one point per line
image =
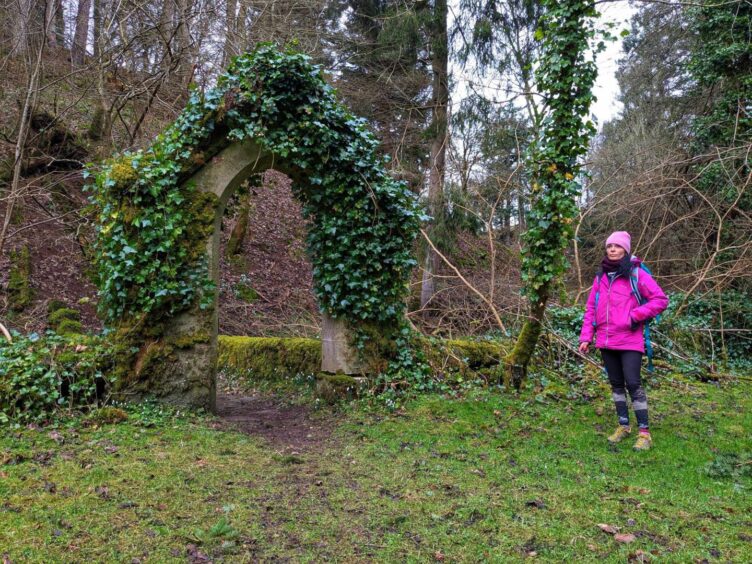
x: 634, y: 278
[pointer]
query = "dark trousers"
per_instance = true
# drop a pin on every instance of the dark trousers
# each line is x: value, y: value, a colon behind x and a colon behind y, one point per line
x: 623, y: 368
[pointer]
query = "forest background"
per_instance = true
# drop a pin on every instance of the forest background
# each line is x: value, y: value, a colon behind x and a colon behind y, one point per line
x: 450, y: 90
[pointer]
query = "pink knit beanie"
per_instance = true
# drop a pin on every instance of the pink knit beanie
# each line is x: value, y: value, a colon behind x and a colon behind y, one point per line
x: 620, y: 238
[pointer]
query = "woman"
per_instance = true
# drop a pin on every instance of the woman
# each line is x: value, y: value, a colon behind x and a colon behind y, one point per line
x: 615, y: 317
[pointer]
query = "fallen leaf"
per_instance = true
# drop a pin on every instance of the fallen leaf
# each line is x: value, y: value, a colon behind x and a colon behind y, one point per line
x: 624, y: 537
x: 195, y: 556
x: 57, y: 437
x: 638, y: 556
x: 81, y: 348
x: 610, y: 529
x: 438, y: 555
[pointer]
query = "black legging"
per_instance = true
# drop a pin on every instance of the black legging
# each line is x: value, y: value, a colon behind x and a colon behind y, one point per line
x: 623, y: 368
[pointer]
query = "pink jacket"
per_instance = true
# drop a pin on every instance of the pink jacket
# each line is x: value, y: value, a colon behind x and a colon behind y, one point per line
x: 618, y: 308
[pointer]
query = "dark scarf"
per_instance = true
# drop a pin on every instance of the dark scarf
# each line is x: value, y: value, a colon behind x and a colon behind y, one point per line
x: 620, y: 267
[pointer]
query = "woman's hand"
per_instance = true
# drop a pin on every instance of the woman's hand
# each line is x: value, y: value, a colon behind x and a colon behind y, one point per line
x: 584, y: 347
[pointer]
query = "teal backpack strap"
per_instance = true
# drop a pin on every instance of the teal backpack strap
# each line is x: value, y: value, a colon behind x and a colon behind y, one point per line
x: 634, y: 280
x: 597, y: 296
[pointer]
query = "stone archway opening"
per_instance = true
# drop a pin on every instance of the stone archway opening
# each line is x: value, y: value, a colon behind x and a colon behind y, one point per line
x: 266, y: 276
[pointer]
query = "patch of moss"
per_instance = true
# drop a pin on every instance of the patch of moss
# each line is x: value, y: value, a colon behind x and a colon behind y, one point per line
x: 268, y: 357
x: 69, y: 327
x: 202, y: 211
x: 476, y: 354
x: 244, y: 291
x: 61, y: 314
x: 187, y: 341
x: 334, y: 387
x: 122, y: 172
x: 20, y: 292
x: 272, y: 357
x: 108, y: 415
x: 379, y: 346
x: 54, y: 305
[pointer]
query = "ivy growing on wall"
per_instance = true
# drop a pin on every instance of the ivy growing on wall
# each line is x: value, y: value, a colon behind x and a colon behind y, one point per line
x: 153, y: 224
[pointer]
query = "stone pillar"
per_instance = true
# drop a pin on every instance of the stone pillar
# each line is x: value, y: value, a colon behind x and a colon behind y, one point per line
x: 337, y: 355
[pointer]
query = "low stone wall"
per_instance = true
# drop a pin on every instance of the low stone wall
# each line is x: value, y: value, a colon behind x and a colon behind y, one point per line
x: 264, y: 358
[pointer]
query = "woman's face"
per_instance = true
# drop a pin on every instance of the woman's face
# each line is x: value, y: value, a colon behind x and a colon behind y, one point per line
x: 615, y: 252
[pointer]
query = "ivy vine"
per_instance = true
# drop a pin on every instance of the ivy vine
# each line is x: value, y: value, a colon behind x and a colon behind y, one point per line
x: 566, y: 75
x: 153, y: 224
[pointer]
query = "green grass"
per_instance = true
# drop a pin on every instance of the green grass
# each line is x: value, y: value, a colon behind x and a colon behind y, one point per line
x: 489, y: 477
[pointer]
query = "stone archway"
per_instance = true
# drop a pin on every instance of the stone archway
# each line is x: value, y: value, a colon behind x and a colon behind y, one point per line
x: 160, y: 210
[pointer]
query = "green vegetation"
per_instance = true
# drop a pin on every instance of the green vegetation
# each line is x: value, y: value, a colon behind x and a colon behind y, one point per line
x: 244, y: 290
x: 42, y: 375
x: 487, y: 477
x: 63, y: 320
x: 20, y: 292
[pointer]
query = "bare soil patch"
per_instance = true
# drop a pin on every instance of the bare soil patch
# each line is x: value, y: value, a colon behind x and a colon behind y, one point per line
x: 291, y: 428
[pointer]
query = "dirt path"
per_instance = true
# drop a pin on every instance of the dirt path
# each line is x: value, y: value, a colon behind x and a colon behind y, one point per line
x: 287, y: 427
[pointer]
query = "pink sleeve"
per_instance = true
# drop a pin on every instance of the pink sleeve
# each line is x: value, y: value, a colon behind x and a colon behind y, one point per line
x: 656, y: 299
x: 588, y: 330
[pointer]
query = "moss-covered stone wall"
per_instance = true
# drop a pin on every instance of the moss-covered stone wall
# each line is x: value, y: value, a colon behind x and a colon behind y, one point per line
x: 262, y: 358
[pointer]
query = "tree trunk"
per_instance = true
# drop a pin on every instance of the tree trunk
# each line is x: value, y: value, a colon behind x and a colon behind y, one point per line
x: 230, y: 51
x: 26, y: 26
x: 242, y: 31
x: 50, y: 21
x: 167, y: 33
x: 30, y: 102
x: 185, y: 49
x: 518, y: 360
x: 81, y: 36
x: 440, y: 68
x: 59, y: 23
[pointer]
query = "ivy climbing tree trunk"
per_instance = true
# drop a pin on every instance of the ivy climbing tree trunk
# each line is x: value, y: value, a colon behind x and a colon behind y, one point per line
x: 565, y: 77
x: 438, y: 131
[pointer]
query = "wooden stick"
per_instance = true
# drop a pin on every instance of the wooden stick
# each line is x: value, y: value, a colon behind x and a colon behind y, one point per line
x: 5, y: 332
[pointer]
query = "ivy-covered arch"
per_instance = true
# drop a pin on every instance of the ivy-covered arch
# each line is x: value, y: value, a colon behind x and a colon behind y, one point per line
x: 159, y: 214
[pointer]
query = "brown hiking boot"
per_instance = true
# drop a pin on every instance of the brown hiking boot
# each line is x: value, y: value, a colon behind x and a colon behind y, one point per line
x: 621, y: 433
x: 644, y: 442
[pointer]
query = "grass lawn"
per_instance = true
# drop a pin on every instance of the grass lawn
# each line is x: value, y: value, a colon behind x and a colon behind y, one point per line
x: 489, y: 477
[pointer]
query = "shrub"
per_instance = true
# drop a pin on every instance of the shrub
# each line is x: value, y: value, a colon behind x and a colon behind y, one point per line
x: 39, y: 375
